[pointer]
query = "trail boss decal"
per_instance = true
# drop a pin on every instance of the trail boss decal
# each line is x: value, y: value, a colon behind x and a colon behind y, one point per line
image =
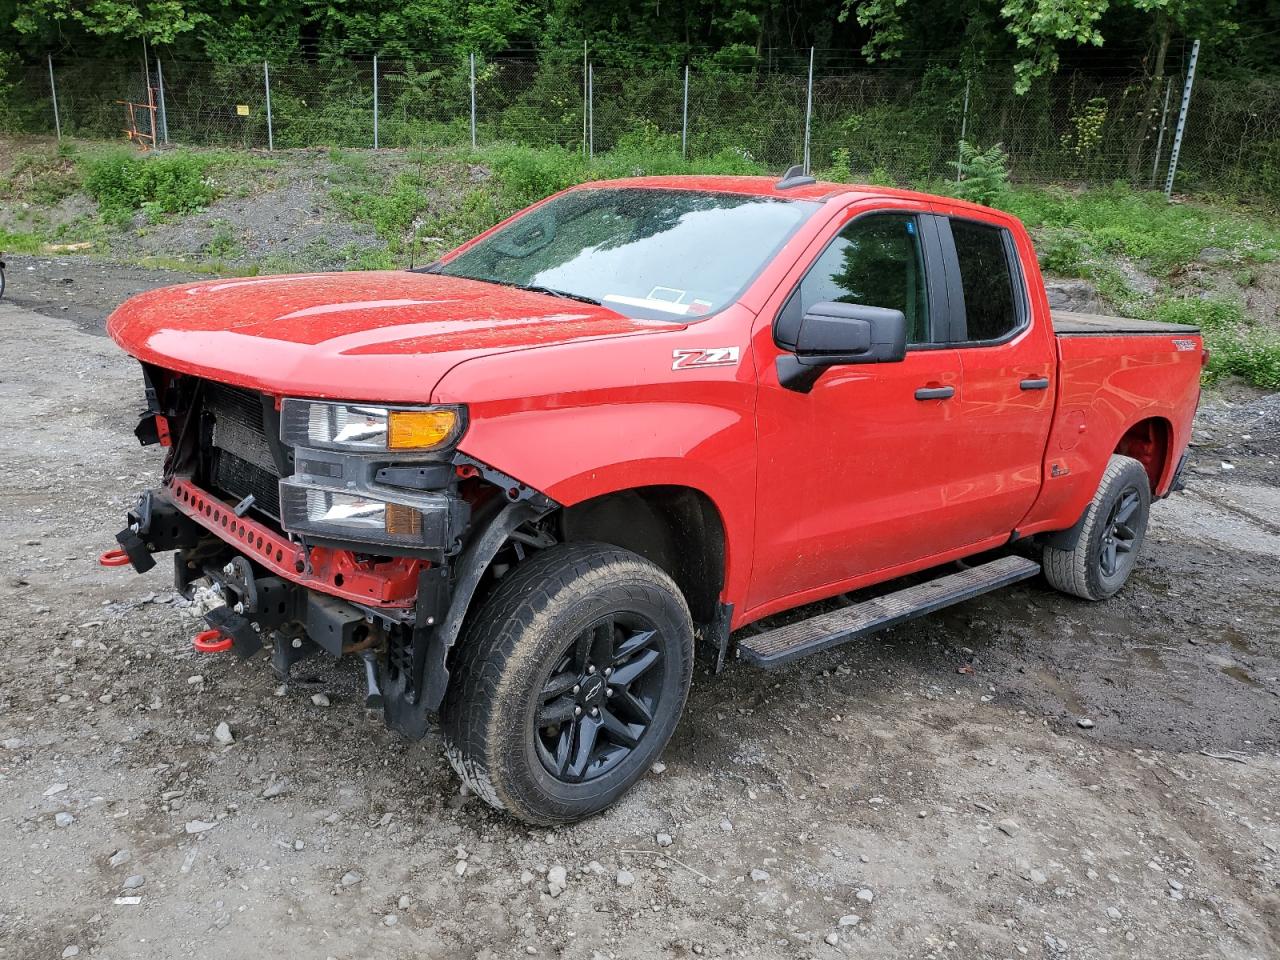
x: 706, y: 357
x: 1184, y: 344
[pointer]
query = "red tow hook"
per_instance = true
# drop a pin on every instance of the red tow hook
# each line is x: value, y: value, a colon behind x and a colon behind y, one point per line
x: 113, y: 558
x: 211, y: 641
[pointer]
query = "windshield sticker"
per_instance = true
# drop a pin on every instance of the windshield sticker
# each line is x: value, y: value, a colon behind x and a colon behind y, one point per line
x: 705, y: 357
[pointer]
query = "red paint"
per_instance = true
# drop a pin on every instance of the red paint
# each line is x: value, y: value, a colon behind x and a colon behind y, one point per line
x: 211, y: 641
x: 162, y: 431
x: 392, y: 583
x: 820, y: 493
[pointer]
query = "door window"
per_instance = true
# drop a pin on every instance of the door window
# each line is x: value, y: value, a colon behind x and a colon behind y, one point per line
x: 875, y: 261
x: 986, y: 280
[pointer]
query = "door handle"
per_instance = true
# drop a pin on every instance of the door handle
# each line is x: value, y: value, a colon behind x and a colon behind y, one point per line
x: 1035, y: 383
x: 935, y: 393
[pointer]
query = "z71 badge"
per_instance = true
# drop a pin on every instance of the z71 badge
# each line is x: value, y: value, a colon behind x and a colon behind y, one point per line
x: 706, y: 357
x: 1184, y: 344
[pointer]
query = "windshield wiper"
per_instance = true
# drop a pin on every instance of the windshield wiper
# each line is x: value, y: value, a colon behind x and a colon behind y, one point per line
x: 564, y: 294
x: 438, y: 267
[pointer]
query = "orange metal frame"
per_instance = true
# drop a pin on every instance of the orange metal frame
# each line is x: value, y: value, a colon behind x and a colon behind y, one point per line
x: 146, y: 140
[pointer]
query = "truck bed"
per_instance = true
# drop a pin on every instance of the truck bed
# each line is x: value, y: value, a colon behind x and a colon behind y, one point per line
x: 1068, y: 324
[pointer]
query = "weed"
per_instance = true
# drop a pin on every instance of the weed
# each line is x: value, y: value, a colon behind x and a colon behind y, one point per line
x: 159, y: 184
x: 1236, y: 345
x: 20, y: 242
x: 42, y: 177
x: 984, y: 174
x: 222, y: 244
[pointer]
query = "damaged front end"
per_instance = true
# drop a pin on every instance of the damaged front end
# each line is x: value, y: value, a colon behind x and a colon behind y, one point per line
x: 328, y: 528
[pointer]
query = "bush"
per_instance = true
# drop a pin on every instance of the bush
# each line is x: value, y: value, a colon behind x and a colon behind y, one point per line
x: 158, y: 183
x: 984, y: 174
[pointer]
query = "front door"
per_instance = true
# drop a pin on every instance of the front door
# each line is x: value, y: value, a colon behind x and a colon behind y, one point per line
x: 852, y: 475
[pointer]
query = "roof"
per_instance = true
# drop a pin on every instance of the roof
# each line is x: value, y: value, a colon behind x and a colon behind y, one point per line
x: 820, y: 190
x: 758, y: 186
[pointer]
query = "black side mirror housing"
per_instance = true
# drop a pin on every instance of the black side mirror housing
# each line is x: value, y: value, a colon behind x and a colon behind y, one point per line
x: 834, y: 334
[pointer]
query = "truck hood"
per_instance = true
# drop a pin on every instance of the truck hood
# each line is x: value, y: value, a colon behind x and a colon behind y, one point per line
x: 377, y: 336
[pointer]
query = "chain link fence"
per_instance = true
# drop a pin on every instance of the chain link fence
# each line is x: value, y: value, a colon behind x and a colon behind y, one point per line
x: 884, y: 123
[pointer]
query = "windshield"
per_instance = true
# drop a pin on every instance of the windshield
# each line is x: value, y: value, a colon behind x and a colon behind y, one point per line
x: 666, y: 254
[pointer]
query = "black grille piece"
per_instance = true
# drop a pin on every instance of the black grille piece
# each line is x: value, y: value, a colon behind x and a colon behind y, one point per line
x: 238, y: 425
x: 239, y: 477
x: 240, y: 461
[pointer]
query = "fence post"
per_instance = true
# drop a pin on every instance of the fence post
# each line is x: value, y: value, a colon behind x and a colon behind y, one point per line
x: 164, y: 114
x: 375, y: 101
x: 1182, y: 120
x: 586, y: 97
x: 808, y: 112
x: 964, y: 130
x: 266, y: 83
x: 591, y: 113
x: 684, y: 119
x: 1164, y: 116
x: 473, y: 101
x: 53, y: 92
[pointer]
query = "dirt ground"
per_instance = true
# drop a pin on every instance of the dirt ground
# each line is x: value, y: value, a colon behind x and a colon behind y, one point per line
x: 871, y: 802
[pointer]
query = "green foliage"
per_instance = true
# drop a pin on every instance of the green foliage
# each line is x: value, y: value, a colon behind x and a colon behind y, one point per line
x: 1237, y: 347
x: 20, y: 242
x: 1090, y: 234
x: 223, y: 245
x: 1100, y: 225
x: 984, y: 174
x: 159, y: 21
x: 43, y: 176
x: 158, y: 184
x: 391, y: 210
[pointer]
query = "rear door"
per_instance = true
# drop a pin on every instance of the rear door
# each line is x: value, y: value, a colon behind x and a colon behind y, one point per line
x: 1007, y: 362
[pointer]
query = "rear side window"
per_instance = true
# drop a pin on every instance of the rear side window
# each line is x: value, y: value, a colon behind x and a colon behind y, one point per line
x: 986, y: 279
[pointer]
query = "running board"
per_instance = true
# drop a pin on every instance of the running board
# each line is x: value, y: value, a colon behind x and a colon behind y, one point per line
x: 777, y: 647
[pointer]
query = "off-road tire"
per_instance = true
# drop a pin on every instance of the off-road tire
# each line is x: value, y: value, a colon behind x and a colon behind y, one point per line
x: 1080, y: 571
x: 508, y: 650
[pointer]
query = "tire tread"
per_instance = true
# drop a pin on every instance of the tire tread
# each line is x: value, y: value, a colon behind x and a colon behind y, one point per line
x: 492, y: 661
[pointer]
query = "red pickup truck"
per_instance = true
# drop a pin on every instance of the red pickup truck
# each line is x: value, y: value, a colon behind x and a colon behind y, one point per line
x: 526, y: 482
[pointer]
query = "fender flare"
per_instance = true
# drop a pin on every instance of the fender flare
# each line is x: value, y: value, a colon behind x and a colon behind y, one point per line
x: 474, y: 561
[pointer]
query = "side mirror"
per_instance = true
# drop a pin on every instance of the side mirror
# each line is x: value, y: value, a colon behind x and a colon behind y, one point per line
x: 833, y: 334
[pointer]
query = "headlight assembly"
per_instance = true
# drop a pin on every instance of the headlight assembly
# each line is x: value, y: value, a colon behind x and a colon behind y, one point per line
x: 369, y: 428
x: 429, y: 521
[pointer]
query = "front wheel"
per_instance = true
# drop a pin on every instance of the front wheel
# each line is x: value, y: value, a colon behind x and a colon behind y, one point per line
x: 569, y: 682
x: 1115, y: 524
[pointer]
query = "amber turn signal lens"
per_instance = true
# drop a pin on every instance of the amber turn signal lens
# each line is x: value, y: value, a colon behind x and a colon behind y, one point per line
x: 402, y: 521
x: 419, y: 429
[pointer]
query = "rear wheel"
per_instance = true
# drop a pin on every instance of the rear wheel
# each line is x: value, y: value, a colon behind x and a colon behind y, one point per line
x: 1115, y: 525
x: 569, y: 682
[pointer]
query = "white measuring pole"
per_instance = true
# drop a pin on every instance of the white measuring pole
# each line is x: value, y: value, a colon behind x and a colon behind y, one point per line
x: 266, y: 83
x: 473, y: 101
x: 375, y: 101
x: 164, y: 114
x: 808, y: 112
x: 53, y: 92
x: 1182, y: 120
x: 684, y: 120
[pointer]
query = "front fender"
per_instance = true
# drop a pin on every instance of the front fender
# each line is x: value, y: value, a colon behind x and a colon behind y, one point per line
x: 583, y: 420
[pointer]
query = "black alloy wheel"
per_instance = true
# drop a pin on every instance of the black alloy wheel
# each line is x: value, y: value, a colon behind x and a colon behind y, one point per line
x: 599, y: 701
x: 1118, y: 536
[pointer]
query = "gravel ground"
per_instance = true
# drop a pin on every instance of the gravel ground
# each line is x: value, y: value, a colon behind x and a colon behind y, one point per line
x: 928, y: 793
